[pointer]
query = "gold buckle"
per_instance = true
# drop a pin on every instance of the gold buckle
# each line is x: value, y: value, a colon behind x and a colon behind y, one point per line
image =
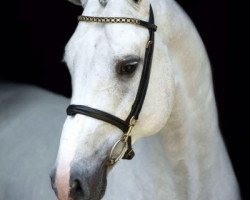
x: 132, y: 123
x: 149, y: 43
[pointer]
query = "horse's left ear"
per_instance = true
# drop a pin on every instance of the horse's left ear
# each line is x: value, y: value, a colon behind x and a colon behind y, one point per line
x: 77, y: 2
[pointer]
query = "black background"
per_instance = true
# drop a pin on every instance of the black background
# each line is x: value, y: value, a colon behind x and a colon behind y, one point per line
x: 34, y: 34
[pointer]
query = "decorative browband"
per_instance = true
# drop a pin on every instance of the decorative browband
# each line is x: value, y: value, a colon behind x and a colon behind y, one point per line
x: 123, y: 20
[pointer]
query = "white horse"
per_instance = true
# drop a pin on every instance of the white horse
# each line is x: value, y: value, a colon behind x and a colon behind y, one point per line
x: 186, y: 157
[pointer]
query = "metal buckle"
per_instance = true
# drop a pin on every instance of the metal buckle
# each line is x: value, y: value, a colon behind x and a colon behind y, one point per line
x: 132, y: 123
x: 149, y: 43
x: 124, y: 139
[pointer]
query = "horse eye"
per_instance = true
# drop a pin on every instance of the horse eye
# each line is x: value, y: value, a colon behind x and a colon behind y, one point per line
x: 127, y: 67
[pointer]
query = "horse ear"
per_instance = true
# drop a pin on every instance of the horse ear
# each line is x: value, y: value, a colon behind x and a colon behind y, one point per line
x: 77, y: 2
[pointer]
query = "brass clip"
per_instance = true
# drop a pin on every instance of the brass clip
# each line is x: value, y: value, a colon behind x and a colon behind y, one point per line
x: 132, y: 123
x: 149, y: 43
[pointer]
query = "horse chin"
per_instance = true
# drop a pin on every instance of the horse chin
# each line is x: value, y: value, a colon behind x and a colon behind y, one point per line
x: 99, y: 192
x: 98, y: 195
x: 102, y: 191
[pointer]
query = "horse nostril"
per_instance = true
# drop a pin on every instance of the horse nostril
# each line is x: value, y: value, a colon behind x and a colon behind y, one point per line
x: 76, y: 190
x: 85, y: 185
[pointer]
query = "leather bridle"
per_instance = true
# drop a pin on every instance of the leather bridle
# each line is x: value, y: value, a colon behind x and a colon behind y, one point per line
x: 125, y: 125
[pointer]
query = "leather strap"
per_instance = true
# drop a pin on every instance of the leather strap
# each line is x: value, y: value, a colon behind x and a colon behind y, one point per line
x: 97, y: 114
x: 150, y: 25
x: 142, y: 89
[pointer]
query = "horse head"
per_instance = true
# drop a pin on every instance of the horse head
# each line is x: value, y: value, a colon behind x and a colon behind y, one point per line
x: 106, y: 63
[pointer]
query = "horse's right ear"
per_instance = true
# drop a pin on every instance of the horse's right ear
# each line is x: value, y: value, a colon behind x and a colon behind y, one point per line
x: 77, y: 2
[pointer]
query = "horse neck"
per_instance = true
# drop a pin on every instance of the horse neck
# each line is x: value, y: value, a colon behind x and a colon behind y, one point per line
x: 191, y: 138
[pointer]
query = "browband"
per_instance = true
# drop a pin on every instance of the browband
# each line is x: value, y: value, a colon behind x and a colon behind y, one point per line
x: 123, y: 20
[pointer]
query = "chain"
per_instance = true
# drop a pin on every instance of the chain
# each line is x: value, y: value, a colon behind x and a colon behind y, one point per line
x: 123, y: 20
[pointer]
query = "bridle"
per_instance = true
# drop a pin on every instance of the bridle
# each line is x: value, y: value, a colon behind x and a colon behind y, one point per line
x: 125, y: 125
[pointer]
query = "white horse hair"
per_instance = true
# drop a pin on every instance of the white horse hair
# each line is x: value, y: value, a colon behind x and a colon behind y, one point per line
x: 186, y: 159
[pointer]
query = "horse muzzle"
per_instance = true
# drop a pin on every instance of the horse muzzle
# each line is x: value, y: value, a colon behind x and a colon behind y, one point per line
x: 84, y: 184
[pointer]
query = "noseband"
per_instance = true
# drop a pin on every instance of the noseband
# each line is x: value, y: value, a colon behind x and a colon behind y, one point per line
x: 125, y: 125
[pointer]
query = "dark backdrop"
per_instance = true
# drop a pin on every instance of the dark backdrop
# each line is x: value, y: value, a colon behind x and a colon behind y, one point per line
x: 35, y: 33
